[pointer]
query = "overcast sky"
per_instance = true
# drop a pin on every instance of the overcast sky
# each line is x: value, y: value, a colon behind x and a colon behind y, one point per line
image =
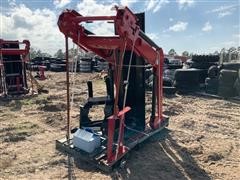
x: 198, y: 26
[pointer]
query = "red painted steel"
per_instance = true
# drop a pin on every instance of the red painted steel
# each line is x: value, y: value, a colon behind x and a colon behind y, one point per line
x: 111, y: 127
x: 127, y: 30
x: 42, y: 72
x: 24, y: 52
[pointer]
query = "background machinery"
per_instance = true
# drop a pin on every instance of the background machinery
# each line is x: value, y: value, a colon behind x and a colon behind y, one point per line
x: 125, y: 124
x: 13, y: 58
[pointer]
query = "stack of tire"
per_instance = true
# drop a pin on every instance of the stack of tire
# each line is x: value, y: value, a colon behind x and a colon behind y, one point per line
x: 229, y: 79
x: 47, y: 64
x: 34, y: 63
x: 168, y: 87
x: 227, y: 83
x: 186, y: 80
x: 237, y: 84
x: 100, y: 65
x: 149, y: 78
x: 103, y: 65
x: 203, y: 62
x: 149, y: 82
x: 167, y: 82
x: 148, y: 72
x: 231, y: 66
x: 95, y: 65
x: 32, y: 66
x: 211, y: 82
x: 85, y: 65
x: 58, y: 65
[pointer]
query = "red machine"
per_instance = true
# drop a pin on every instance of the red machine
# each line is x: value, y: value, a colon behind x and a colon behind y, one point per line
x: 128, y: 37
x: 7, y: 50
x: 13, y: 60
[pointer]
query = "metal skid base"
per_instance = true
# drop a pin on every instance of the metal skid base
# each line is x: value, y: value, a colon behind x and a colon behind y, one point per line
x: 99, y: 156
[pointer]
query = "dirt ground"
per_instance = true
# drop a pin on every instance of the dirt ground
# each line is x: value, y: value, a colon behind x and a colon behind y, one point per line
x: 202, y: 140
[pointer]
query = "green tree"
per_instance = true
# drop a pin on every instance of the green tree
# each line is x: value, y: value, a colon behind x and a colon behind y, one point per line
x: 59, y: 54
x: 33, y: 53
x: 172, y: 52
x: 185, y: 53
x: 46, y: 55
x: 39, y: 53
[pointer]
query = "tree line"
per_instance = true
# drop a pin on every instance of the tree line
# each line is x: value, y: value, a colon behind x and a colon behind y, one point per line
x: 232, y: 53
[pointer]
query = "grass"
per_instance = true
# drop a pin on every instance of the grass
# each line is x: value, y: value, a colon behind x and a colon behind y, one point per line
x: 19, y: 132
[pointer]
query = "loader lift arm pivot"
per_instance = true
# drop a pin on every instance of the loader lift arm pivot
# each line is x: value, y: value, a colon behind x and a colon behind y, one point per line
x: 128, y: 37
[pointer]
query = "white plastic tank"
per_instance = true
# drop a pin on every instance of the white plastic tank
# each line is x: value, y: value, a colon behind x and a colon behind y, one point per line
x: 86, y: 141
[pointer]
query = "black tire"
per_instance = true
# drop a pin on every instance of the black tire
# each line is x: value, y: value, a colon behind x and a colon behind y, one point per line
x: 96, y: 68
x: 52, y: 61
x: 149, y: 86
x: 58, y: 67
x: 188, y: 75
x: 211, y: 85
x: 103, y: 65
x: 201, y: 65
x: 203, y: 74
x: 34, y: 67
x: 210, y: 90
x: 228, y: 76
x: 63, y: 67
x: 47, y: 64
x: 229, y: 73
x: 169, y: 90
x: 148, y: 73
x: 226, y: 91
x: 189, y: 62
x: 171, y: 66
x: 60, y: 61
x: 231, y: 66
x: 85, y: 66
x: 150, y: 79
x: 185, y: 87
x: 237, y: 86
x: 226, y: 84
x: 167, y: 82
x: 184, y: 84
x: 205, y: 58
x: 211, y: 81
x: 213, y: 71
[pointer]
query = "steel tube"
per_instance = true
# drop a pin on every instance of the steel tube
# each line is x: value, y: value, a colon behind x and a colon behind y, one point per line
x: 68, y: 95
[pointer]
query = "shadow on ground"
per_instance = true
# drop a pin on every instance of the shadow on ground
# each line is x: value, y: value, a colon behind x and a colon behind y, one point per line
x: 161, y: 157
